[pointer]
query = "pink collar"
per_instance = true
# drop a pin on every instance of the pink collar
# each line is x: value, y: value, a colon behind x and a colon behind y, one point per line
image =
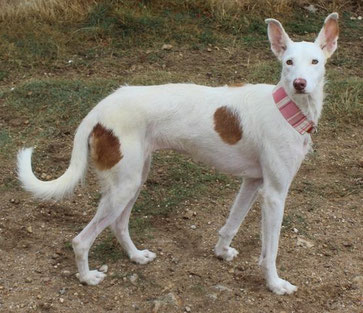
x: 291, y: 112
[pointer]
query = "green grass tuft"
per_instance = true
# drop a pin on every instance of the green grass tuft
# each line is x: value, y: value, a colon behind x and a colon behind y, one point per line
x: 107, y: 249
x: 48, y: 101
x: 344, y: 100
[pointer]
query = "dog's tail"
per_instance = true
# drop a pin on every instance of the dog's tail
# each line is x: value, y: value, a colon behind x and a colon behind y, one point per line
x: 65, y: 184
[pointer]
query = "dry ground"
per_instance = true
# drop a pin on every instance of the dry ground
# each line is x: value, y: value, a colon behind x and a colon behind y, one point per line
x: 183, y: 204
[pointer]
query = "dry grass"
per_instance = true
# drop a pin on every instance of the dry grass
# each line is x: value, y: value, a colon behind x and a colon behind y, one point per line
x: 74, y: 10
x: 46, y: 9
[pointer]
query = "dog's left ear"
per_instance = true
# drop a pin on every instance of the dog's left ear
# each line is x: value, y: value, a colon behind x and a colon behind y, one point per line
x: 278, y: 38
x: 327, y: 39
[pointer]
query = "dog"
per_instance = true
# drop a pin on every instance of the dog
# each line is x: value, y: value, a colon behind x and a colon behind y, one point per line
x: 260, y: 132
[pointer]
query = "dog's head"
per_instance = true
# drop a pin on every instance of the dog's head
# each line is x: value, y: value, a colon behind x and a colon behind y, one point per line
x: 303, y: 63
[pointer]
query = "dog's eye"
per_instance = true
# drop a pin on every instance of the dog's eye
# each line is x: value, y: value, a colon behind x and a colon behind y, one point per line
x: 289, y: 62
x: 315, y: 61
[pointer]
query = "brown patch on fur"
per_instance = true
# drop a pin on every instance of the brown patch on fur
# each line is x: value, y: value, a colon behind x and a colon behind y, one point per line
x: 236, y: 85
x: 105, y: 148
x: 227, y: 125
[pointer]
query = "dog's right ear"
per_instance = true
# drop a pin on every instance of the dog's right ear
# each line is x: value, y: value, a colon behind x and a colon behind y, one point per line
x: 278, y: 38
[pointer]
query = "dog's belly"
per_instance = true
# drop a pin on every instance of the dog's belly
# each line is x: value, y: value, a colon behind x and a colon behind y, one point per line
x: 238, y: 160
x: 231, y: 162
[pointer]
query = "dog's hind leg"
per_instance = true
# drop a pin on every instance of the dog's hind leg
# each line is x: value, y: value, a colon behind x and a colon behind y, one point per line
x: 84, y: 240
x: 120, y: 185
x: 244, y: 200
x: 121, y: 227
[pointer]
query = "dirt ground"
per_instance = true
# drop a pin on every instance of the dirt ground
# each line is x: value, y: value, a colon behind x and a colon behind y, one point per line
x: 320, y: 246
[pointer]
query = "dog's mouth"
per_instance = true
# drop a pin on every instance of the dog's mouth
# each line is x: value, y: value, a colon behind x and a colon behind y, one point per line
x: 300, y: 92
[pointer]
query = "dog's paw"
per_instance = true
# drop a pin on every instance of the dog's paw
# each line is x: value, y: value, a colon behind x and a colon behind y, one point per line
x: 92, y: 278
x: 227, y: 254
x: 143, y: 257
x: 281, y: 287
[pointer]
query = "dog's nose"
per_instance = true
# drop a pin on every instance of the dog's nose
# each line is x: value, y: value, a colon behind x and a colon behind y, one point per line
x: 299, y: 84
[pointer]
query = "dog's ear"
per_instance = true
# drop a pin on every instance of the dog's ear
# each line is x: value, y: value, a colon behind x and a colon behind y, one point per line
x: 278, y: 38
x: 327, y: 39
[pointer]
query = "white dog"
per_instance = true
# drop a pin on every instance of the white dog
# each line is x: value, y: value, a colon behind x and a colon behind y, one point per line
x: 260, y: 132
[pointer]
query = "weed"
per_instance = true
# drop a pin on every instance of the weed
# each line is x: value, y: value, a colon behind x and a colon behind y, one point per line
x: 207, y: 37
x: 183, y: 180
x: 68, y: 245
x: 52, y: 100
x: 298, y: 25
x: 101, y: 15
x: 198, y: 289
x: 139, y: 225
x: 5, y: 139
x: 294, y: 220
x: 265, y: 71
x: 3, y: 75
x: 344, y: 99
x: 107, y: 249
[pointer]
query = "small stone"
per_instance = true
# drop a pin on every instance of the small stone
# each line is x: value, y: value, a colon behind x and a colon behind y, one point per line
x: 209, y: 49
x: 222, y: 288
x: 66, y: 273
x: 187, y: 309
x: 311, y: 8
x: 103, y: 268
x: 172, y: 299
x: 29, y: 229
x: 157, y: 306
x: 304, y: 243
x: 28, y: 280
x: 15, y: 201
x: 193, y: 227
x: 295, y: 230
x: 167, y: 47
x: 62, y: 291
x: 133, y: 278
x: 358, y: 282
x: 212, y: 296
x: 45, y: 306
x: 167, y: 300
x: 61, y: 300
x: 188, y: 215
x: 39, y: 296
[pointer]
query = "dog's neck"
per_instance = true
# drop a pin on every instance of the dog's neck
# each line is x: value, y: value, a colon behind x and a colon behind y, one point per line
x: 311, y: 104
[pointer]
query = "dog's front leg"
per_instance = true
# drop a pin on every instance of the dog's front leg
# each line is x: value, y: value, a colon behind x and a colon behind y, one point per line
x: 272, y: 214
x: 244, y: 200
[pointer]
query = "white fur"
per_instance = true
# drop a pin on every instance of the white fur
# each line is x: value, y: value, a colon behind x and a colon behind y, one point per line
x: 180, y: 117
